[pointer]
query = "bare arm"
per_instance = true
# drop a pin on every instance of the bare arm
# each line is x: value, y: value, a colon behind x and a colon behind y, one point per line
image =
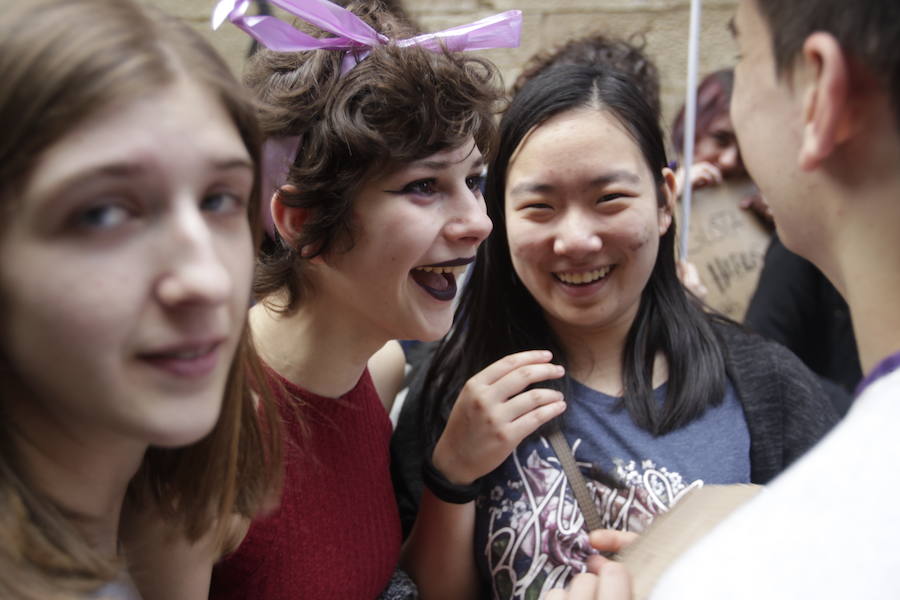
x: 387, y: 369
x: 438, y: 553
x: 491, y: 416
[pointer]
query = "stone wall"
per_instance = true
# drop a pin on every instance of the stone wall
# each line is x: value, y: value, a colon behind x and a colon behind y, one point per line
x: 663, y: 23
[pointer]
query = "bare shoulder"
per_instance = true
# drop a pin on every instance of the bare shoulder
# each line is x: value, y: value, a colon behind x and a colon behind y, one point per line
x: 387, y: 367
x: 164, y: 564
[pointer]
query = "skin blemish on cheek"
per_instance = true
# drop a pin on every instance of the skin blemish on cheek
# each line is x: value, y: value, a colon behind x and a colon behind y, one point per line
x: 640, y: 241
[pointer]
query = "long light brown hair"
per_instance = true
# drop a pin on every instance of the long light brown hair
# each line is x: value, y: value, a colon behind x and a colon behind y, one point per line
x: 61, y: 63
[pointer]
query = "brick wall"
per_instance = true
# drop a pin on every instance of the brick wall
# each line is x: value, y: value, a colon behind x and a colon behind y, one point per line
x: 664, y: 24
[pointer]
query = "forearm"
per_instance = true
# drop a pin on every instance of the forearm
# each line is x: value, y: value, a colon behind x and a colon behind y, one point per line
x: 438, y: 554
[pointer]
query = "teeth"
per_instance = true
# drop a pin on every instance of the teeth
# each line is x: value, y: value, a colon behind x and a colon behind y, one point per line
x: 456, y: 271
x: 190, y: 354
x: 585, y: 277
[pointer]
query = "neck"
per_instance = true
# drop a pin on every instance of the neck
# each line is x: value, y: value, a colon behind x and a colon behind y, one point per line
x: 595, y: 353
x: 85, y: 473
x: 863, y: 256
x: 313, y: 348
x: 868, y: 275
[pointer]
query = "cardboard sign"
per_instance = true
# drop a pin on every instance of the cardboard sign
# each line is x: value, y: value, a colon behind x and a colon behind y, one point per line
x: 672, y: 533
x: 727, y: 244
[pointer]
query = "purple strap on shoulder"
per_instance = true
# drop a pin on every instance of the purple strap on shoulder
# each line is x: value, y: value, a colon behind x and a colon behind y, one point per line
x: 887, y: 366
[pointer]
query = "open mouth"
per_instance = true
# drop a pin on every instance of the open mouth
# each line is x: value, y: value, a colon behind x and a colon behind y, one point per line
x: 582, y: 278
x: 439, y: 280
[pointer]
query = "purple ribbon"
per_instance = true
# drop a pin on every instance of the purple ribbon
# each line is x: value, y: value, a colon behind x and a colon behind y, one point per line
x: 497, y: 31
x: 884, y: 368
x: 355, y: 37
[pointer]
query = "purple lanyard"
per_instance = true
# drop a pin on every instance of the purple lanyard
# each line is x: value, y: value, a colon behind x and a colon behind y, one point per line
x: 885, y: 367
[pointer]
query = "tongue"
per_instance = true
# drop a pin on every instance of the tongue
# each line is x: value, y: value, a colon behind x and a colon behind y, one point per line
x: 435, y: 281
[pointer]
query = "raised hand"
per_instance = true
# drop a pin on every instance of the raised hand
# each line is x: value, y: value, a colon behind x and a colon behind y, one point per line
x: 702, y: 174
x: 493, y: 414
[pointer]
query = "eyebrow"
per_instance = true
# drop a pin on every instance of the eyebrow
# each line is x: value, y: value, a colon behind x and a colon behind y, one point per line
x: 732, y: 27
x: 600, y: 181
x: 438, y: 165
x: 128, y: 170
x: 231, y: 163
x: 124, y: 170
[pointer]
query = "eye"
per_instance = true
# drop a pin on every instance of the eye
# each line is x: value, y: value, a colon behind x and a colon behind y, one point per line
x: 475, y: 182
x: 724, y: 139
x: 102, y: 216
x: 536, y: 206
x: 222, y: 202
x: 610, y: 197
x: 421, y: 187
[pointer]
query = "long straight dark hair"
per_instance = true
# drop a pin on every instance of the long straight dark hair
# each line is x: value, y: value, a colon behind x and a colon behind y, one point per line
x: 498, y: 316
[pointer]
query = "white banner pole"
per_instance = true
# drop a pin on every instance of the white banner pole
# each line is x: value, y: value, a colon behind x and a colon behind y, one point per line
x: 690, y: 125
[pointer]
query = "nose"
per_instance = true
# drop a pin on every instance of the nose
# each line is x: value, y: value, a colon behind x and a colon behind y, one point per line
x: 193, y: 272
x: 729, y: 158
x: 576, y: 236
x: 469, y: 222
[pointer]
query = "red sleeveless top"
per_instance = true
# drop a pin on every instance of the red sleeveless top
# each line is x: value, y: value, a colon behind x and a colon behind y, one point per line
x: 337, y: 532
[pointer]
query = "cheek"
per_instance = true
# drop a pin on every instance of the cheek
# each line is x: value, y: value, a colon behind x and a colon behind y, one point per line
x: 75, y: 319
x: 634, y: 230
x: 642, y: 238
x: 399, y: 238
x: 526, y: 244
x: 238, y: 257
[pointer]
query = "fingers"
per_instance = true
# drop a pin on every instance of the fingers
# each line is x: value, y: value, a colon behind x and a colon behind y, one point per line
x: 608, y: 542
x: 758, y: 205
x: 704, y: 173
x: 506, y: 365
x: 523, y: 376
x: 583, y: 587
x: 529, y: 422
x: 611, y: 541
x: 690, y: 278
x: 522, y: 404
x: 615, y: 582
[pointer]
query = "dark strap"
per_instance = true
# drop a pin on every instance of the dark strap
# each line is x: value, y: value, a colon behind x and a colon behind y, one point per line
x: 576, y: 480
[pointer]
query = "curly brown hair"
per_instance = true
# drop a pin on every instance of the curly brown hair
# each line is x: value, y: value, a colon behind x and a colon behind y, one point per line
x: 396, y: 106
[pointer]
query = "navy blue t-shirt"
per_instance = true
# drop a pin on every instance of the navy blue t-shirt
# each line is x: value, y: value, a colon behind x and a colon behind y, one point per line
x: 529, y: 532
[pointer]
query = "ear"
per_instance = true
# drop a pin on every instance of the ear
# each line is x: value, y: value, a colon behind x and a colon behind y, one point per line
x: 827, y: 111
x: 288, y: 220
x: 668, y: 190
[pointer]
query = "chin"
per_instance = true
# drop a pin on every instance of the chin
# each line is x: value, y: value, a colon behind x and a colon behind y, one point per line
x: 432, y: 331
x: 188, y: 426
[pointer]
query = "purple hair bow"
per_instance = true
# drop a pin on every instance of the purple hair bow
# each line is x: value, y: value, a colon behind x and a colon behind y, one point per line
x: 355, y: 37
x: 353, y: 34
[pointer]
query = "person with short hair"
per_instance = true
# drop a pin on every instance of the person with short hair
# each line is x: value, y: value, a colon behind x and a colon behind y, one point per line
x: 375, y: 160
x: 816, y: 108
